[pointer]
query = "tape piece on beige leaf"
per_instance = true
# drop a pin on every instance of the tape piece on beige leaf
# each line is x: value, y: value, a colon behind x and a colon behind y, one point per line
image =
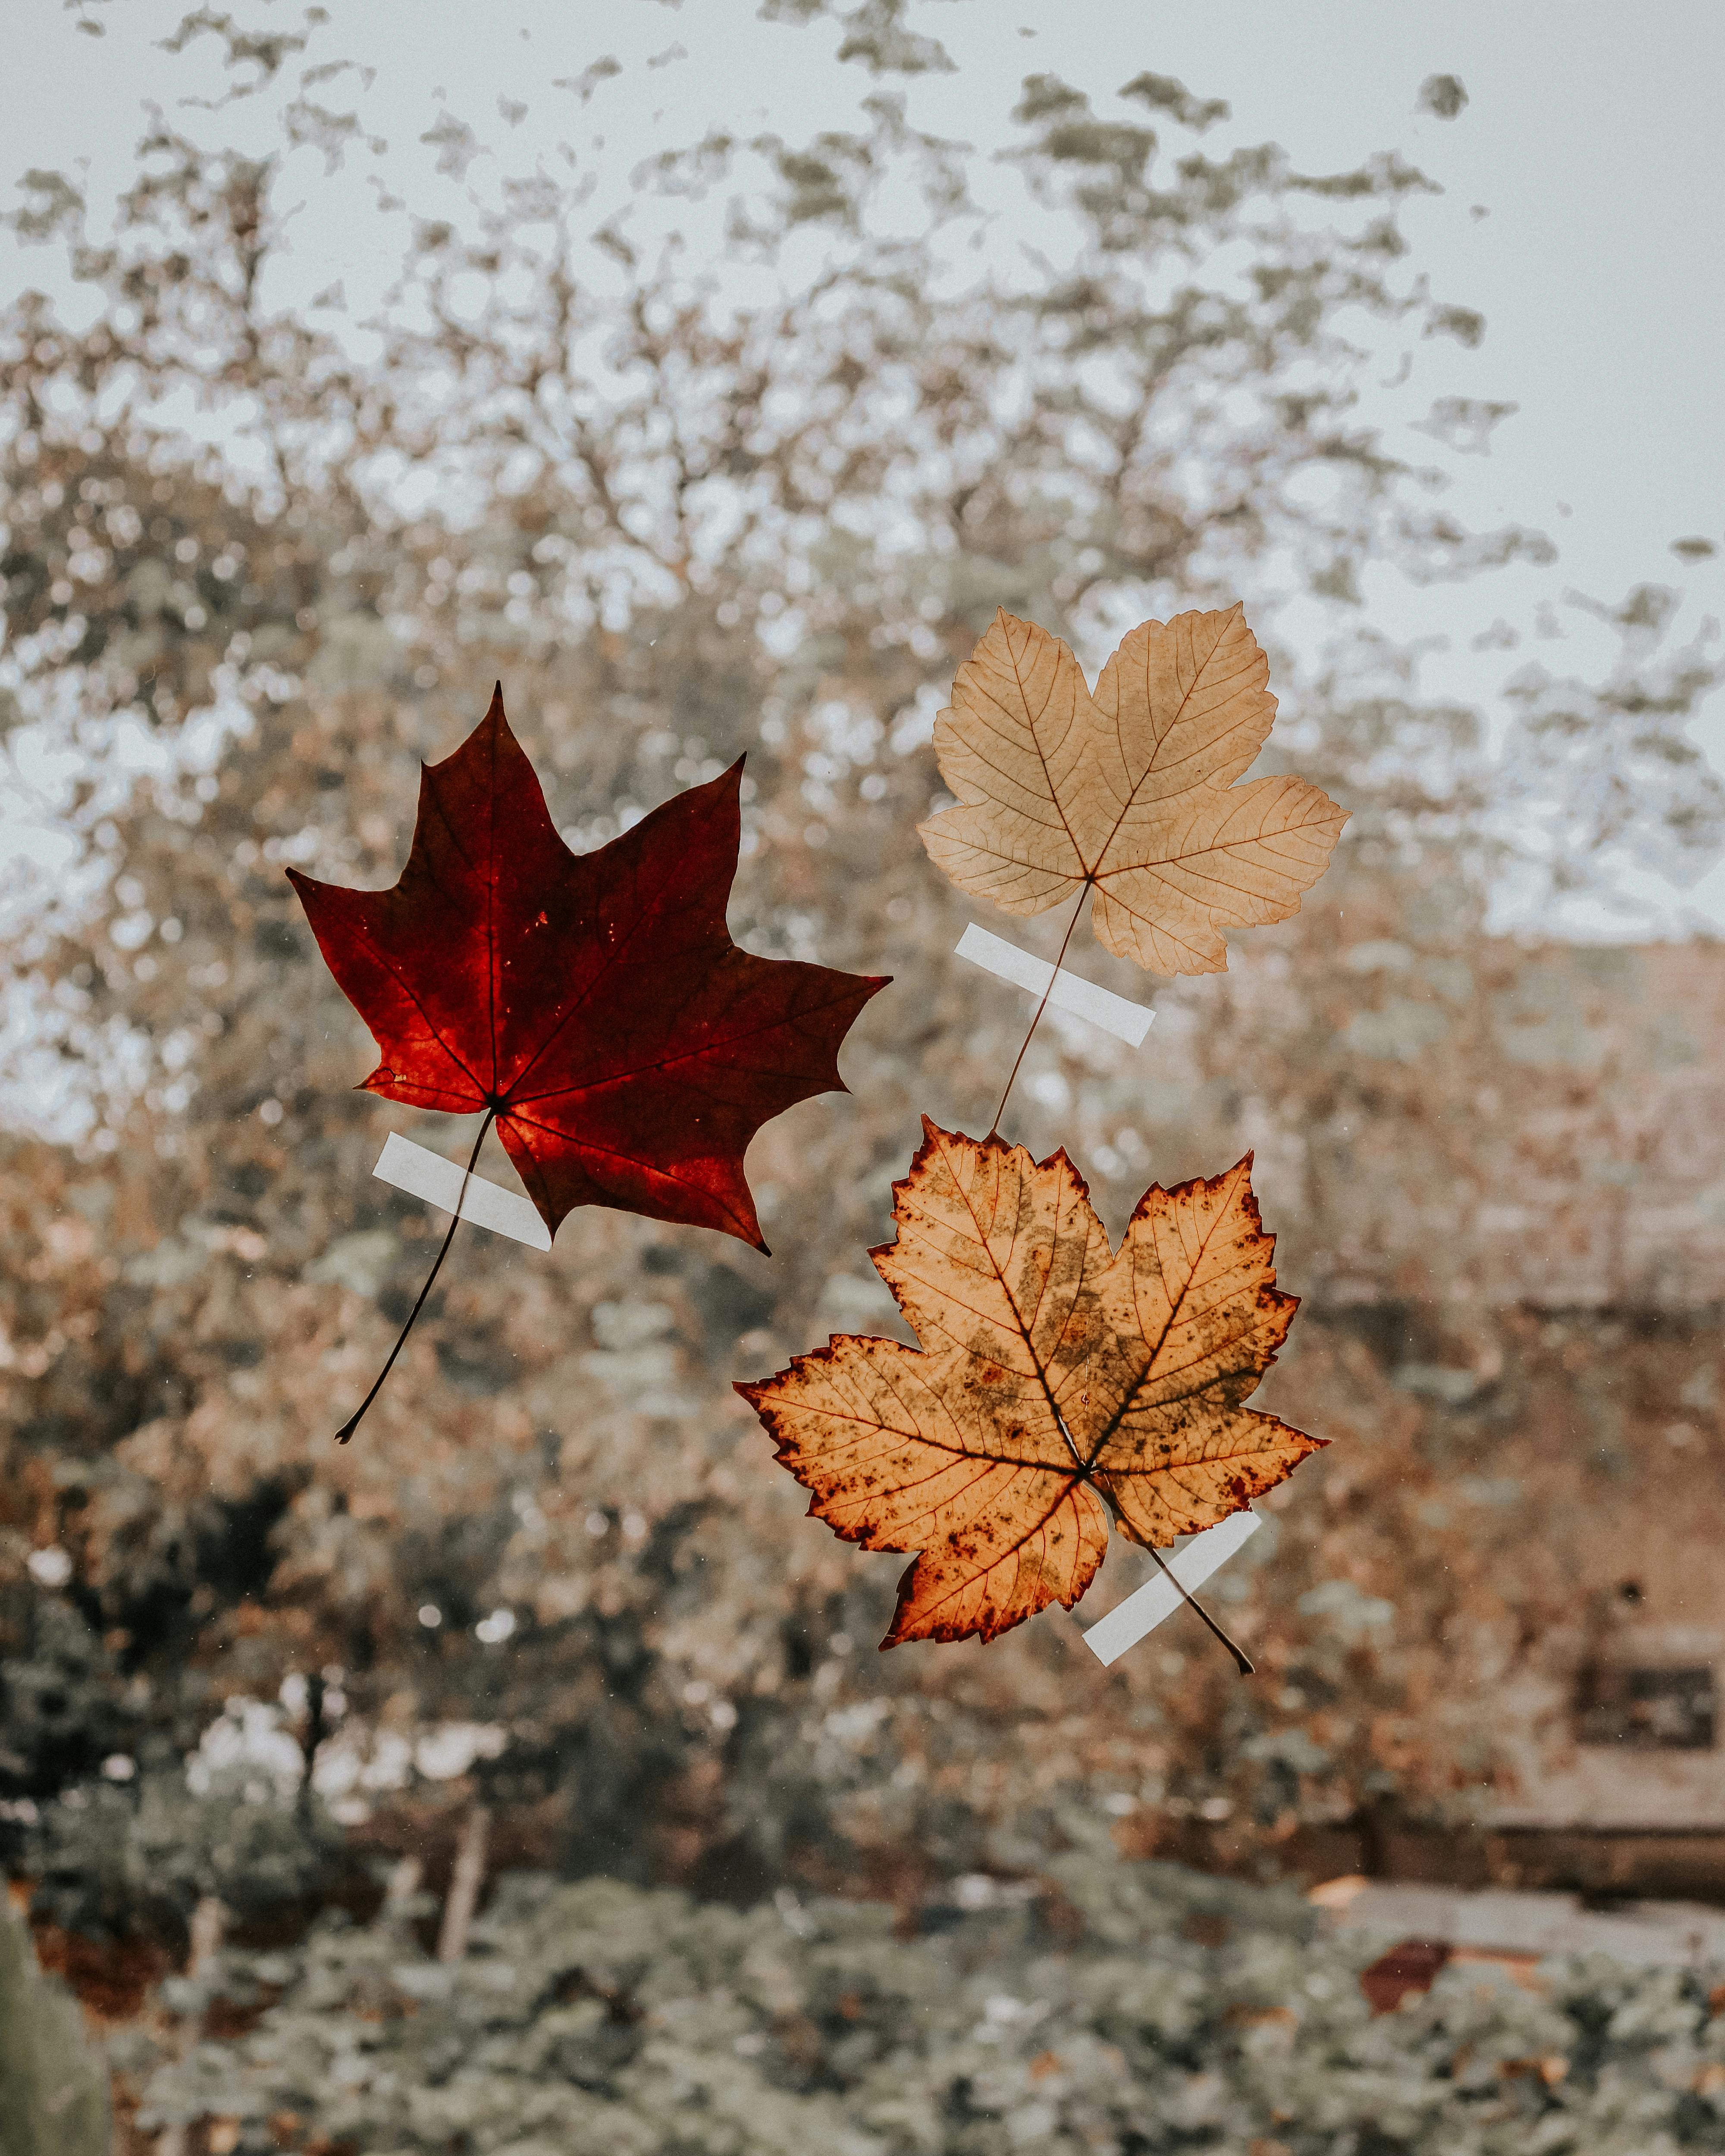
x: 1126, y: 1021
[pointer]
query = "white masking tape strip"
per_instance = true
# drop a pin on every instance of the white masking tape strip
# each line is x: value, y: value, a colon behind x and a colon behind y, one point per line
x: 438, y: 1181
x: 1127, y: 1022
x: 1192, y: 1564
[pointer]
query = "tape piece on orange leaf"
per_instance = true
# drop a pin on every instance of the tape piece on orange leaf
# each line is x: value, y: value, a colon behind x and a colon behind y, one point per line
x: 1191, y: 1565
x: 1126, y: 1021
x: 428, y: 1175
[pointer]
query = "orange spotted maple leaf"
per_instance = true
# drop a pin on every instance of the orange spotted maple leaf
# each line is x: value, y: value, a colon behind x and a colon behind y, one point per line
x: 1059, y: 1383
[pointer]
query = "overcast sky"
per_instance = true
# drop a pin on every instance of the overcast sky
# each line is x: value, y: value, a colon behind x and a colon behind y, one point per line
x: 1590, y: 141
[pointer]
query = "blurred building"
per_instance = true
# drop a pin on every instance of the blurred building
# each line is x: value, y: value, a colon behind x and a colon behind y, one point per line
x: 1565, y: 1268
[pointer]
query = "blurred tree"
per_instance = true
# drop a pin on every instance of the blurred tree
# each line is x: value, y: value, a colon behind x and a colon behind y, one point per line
x: 687, y: 510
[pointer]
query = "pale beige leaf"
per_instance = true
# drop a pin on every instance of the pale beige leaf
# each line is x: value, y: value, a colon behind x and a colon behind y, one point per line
x: 1131, y: 790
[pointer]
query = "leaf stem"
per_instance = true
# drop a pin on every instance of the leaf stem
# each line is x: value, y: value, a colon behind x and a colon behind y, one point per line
x: 1083, y: 888
x: 1242, y: 1661
x: 354, y: 1420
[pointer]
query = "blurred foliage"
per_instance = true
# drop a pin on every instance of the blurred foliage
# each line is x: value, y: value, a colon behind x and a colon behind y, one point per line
x: 1126, y: 2009
x: 109, y: 1862
x: 683, y: 519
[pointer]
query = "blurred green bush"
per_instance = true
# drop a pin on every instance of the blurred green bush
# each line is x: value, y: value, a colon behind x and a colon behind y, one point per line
x: 1115, y: 2009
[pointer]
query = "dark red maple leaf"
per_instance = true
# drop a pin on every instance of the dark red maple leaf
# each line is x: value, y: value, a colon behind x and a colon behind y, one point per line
x: 593, y: 1005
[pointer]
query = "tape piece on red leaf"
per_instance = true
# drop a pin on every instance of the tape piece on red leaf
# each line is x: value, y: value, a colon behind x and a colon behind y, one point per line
x: 438, y: 1181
